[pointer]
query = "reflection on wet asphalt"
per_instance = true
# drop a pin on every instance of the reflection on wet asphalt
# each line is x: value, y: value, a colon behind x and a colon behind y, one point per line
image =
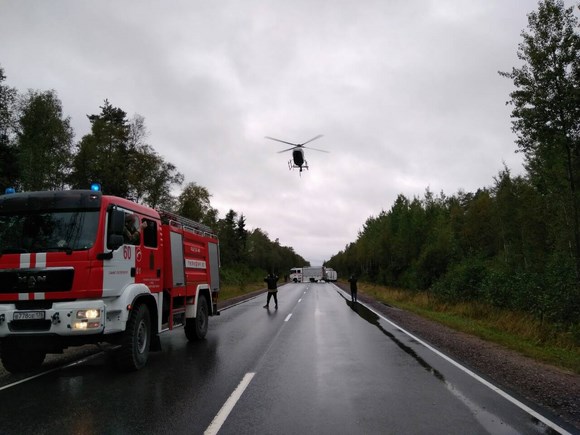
x: 374, y: 319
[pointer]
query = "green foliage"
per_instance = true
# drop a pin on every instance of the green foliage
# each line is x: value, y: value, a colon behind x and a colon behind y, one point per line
x: 231, y: 241
x: 103, y: 154
x: 44, y: 145
x: 463, y: 281
x: 259, y: 252
x: 240, y: 276
x: 495, y: 246
x: 546, y: 109
x: 8, y: 157
x: 194, y: 203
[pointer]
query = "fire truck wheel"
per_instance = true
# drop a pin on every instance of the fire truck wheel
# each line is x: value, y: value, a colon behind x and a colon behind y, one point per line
x: 134, y: 350
x: 195, y: 329
x: 17, y: 360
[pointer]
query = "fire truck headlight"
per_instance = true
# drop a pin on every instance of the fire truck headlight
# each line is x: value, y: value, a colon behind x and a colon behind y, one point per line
x: 80, y: 325
x: 88, y: 314
x: 85, y: 324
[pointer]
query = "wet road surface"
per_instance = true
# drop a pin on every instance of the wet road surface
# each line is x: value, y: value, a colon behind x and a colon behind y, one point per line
x: 318, y: 364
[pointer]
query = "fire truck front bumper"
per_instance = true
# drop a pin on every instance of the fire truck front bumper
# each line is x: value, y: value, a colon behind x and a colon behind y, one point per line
x: 75, y: 318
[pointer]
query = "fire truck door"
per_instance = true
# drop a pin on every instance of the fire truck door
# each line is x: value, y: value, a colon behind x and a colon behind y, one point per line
x: 148, y: 256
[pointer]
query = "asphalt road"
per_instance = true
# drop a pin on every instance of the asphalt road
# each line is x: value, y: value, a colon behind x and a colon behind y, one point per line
x: 319, y: 364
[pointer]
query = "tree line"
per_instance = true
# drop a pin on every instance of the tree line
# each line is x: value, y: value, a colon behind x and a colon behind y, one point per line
x: 516, y: 243
x: 38, y: 152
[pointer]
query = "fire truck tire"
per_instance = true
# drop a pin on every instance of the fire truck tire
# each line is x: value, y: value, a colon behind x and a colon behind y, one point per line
x: 134, y: 350
x: 17, y: 360
x: 196, y: 329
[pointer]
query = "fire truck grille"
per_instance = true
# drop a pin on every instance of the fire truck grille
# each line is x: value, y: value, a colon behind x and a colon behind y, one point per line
x: 36, y: 280
x: 33, y: 305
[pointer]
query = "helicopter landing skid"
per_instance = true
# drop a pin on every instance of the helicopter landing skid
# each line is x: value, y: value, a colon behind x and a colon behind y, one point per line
x: 291, y: 165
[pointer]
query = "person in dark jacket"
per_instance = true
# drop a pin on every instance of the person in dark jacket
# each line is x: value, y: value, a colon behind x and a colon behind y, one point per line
x: 272, y: 279
x: 353, y: 288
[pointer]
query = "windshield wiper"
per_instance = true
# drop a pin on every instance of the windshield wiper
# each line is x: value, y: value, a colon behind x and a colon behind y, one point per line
x: 66, y: 249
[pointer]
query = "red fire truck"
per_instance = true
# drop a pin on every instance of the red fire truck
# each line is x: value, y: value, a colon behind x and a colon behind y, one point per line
x: 80, y: 267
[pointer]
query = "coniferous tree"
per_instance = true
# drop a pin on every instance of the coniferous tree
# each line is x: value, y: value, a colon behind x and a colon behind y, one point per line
x: 103, y: 155
x: 546, y: 115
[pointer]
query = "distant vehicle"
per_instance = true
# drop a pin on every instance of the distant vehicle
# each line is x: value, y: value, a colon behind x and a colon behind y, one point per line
x: 307, y: 274
x: 296, y: 274
x: 330, y: 274
x: 312, y: 274
x: 298, y: 160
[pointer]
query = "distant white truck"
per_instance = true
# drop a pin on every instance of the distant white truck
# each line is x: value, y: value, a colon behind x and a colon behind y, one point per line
x: 330, y: 274
x: 307, y: 274
x: 312, y: 274
x: 295, y: 274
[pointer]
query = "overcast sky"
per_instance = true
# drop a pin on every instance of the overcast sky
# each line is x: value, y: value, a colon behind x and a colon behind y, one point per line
x: 406, y: 94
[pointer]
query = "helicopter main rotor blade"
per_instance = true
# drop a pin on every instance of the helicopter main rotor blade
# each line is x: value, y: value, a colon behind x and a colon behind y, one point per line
x: 283, y: 141
x: 316, y: 149
x: 289, y: 149
x: 314, y: 138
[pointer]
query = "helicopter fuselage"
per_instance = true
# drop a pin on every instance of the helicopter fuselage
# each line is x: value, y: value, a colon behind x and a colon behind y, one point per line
x: 298, y: 156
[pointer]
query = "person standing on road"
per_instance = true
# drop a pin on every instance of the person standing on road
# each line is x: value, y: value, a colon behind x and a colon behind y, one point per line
x: 272, y: 279
x: 353, y: 288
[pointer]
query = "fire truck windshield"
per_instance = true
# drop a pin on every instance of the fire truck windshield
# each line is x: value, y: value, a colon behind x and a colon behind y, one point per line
x: 48, y: 231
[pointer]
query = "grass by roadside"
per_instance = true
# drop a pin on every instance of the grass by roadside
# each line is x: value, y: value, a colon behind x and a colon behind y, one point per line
x: 230, y: 291
x: 517, y: 331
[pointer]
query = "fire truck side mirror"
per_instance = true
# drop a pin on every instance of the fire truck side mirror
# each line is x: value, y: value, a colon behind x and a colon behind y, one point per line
x: 115, y: 230
x: 115, y: 241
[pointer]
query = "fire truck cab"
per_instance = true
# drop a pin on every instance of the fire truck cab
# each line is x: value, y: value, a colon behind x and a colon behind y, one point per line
x: 80, y: 267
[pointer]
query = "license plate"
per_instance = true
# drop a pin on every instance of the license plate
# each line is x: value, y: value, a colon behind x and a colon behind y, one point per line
x: 29, y: 315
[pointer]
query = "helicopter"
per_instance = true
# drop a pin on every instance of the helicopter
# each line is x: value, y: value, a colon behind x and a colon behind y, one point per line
x: 297, y: 160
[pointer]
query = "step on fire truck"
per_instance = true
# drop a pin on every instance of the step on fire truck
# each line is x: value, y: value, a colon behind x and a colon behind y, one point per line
x: 80, y: 267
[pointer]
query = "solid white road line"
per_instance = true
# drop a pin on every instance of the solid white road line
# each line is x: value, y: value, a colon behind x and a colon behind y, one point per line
x: 502, y: 393
x: 223, y: 413
x: 80, y: 361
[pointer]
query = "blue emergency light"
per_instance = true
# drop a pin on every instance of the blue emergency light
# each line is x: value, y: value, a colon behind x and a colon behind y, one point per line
x: 96, y: 187
x: 10, y: 190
